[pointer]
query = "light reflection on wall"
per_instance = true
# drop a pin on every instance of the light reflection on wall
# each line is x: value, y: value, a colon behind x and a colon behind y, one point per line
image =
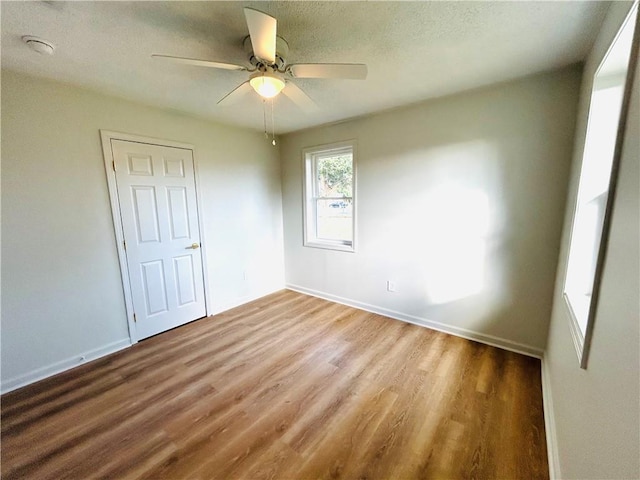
x: 455, y: 250
x: 461, y: 214
x: 443, y: 237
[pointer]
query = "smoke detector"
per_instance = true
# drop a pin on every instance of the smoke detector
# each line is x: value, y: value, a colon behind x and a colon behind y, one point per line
x: 39, y: 45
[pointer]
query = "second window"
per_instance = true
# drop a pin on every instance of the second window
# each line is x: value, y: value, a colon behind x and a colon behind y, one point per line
x: 329, y: 195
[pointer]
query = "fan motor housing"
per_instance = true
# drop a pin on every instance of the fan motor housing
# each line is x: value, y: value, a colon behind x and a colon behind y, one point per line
x: 282, y: 52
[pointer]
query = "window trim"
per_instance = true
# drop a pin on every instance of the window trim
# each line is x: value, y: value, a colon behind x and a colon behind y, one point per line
x: 310, y: 197
x: 582, y: 342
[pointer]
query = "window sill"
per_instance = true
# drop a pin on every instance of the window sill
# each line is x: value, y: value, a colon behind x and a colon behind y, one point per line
x: 341, y: 247
x: 576, y: 333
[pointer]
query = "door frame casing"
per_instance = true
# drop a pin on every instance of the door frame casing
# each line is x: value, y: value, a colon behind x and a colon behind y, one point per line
x: 106, y: 137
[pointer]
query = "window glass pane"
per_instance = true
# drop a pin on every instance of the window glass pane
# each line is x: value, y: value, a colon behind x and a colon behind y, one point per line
x: 334, y: 219
x: 335, y: 176
x: 601, y: 140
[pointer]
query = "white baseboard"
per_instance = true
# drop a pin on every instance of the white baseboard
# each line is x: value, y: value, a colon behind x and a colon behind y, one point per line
x: 61, y: 366
x: 423, y: 322
x: 81, y: 358
x: 549, y: 423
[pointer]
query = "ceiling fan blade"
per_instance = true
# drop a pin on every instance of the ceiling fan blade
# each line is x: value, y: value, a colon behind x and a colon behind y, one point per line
x: 262, y: 30
x: 350, y: 71
x: 236, y: 94
x: 298, y: 97
x: 200, y: 63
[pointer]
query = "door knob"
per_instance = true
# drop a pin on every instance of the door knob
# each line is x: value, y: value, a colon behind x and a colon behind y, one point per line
x: 194, y: 246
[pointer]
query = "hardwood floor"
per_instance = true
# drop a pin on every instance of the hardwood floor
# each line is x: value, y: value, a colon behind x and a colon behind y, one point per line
x: 290, y: 387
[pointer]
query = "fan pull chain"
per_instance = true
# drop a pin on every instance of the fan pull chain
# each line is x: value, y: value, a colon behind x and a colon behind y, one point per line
x: 273, y: 127
x: 264, y: 117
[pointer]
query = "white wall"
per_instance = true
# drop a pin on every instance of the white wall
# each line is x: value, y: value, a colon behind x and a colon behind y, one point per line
x: 459, y: 201
x: 596, y: 411
x: 62, y: 292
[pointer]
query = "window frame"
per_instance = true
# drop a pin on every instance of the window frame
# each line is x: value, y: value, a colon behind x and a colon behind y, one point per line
x: 310, y: 157
x: 582, y: 340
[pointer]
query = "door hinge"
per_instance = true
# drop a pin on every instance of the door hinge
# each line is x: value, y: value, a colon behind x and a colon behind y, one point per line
x: 113, y: 164
x: 134, y: 318
x: 124, y: 244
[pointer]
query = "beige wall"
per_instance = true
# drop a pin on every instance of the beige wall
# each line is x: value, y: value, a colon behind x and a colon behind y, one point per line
x: 459, y: 202
x: 62, y: 293
x: 596, y: 412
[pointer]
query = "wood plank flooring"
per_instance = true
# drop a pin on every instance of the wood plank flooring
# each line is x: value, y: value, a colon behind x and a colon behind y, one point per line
x: 286, y: 387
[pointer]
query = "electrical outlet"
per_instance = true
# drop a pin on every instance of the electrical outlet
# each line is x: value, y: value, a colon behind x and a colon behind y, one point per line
x: 391, y: 286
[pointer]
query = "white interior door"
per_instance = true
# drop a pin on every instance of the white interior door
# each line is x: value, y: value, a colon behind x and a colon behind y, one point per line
x: 158, y: 208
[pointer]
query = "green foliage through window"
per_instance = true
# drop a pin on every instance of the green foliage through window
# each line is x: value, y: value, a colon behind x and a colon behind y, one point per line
x: 335, y: 176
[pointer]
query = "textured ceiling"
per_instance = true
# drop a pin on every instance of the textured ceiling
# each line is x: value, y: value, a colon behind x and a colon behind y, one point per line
x: 414, y: 50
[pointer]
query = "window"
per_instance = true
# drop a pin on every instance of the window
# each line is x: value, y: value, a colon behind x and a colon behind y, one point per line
x: 329, y: 213
x: 606, y: 121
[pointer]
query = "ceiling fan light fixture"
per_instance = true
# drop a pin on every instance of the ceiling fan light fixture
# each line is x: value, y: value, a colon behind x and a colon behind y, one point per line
x: 266, y: 84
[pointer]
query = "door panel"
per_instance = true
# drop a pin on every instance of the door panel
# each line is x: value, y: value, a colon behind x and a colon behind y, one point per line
x: 158, y: 209
x: 178, y: 212
x: 146, y: 213
x: 183, y: 267
x: 140, y: 165
x: 154, y: 287
x: 173, y: 167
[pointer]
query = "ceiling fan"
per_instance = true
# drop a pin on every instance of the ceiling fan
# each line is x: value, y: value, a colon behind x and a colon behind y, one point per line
x: 269, y: 72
